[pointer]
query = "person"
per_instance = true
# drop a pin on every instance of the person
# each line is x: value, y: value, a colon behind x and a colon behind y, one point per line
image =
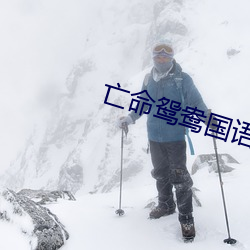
x: 167, y: 140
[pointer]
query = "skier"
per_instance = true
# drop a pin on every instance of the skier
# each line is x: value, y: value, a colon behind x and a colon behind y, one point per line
x: 167, y: 141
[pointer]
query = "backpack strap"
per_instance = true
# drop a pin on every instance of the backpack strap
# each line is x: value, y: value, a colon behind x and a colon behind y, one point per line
x: 178, y: 80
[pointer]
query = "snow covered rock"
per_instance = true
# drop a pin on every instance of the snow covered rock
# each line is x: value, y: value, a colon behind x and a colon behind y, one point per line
x: 209, y: 160
x: 232, y: 52
x: 44, y: 196
x: 44, y: 230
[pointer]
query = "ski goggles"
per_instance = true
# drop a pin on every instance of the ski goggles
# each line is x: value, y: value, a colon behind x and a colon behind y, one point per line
x: 163, y: 50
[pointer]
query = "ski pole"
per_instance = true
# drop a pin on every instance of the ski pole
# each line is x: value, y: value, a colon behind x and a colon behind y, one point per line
x: 229, y: 240
x: 119, y: 211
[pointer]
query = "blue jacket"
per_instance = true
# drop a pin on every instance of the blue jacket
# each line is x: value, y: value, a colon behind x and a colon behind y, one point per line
x: 161, y: 130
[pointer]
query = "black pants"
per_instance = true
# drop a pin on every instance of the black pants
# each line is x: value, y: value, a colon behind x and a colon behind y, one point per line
x: 169, y: 162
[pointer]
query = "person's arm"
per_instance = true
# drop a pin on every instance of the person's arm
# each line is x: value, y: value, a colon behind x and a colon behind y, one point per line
x: 192, y: 96
x: 133, y: 116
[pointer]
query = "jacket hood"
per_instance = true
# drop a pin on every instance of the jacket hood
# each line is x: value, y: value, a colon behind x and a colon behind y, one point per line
x: 176, y: 68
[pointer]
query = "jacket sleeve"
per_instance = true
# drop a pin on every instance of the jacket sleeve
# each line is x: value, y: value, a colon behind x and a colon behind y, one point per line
x: 135, y: 115
x: 192, y: 96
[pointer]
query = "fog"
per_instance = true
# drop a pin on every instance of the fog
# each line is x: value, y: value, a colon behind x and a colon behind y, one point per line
x: 40, y: 41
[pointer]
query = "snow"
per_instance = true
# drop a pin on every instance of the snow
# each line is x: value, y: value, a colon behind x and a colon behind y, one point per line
x: 12, y: 239
x: 94, y: 225
x: 10, y: 230
x: 113, y: 35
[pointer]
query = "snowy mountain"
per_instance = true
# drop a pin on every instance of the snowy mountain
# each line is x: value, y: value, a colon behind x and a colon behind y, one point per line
x: 58, y: 155
x: 78, y: 149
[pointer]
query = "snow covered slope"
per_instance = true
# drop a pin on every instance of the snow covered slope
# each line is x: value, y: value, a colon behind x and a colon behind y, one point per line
x: 94, y: 224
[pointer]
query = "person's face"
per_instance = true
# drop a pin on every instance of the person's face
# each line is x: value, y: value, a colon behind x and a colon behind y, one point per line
x: 163, y: 54
x: 162, y: 59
